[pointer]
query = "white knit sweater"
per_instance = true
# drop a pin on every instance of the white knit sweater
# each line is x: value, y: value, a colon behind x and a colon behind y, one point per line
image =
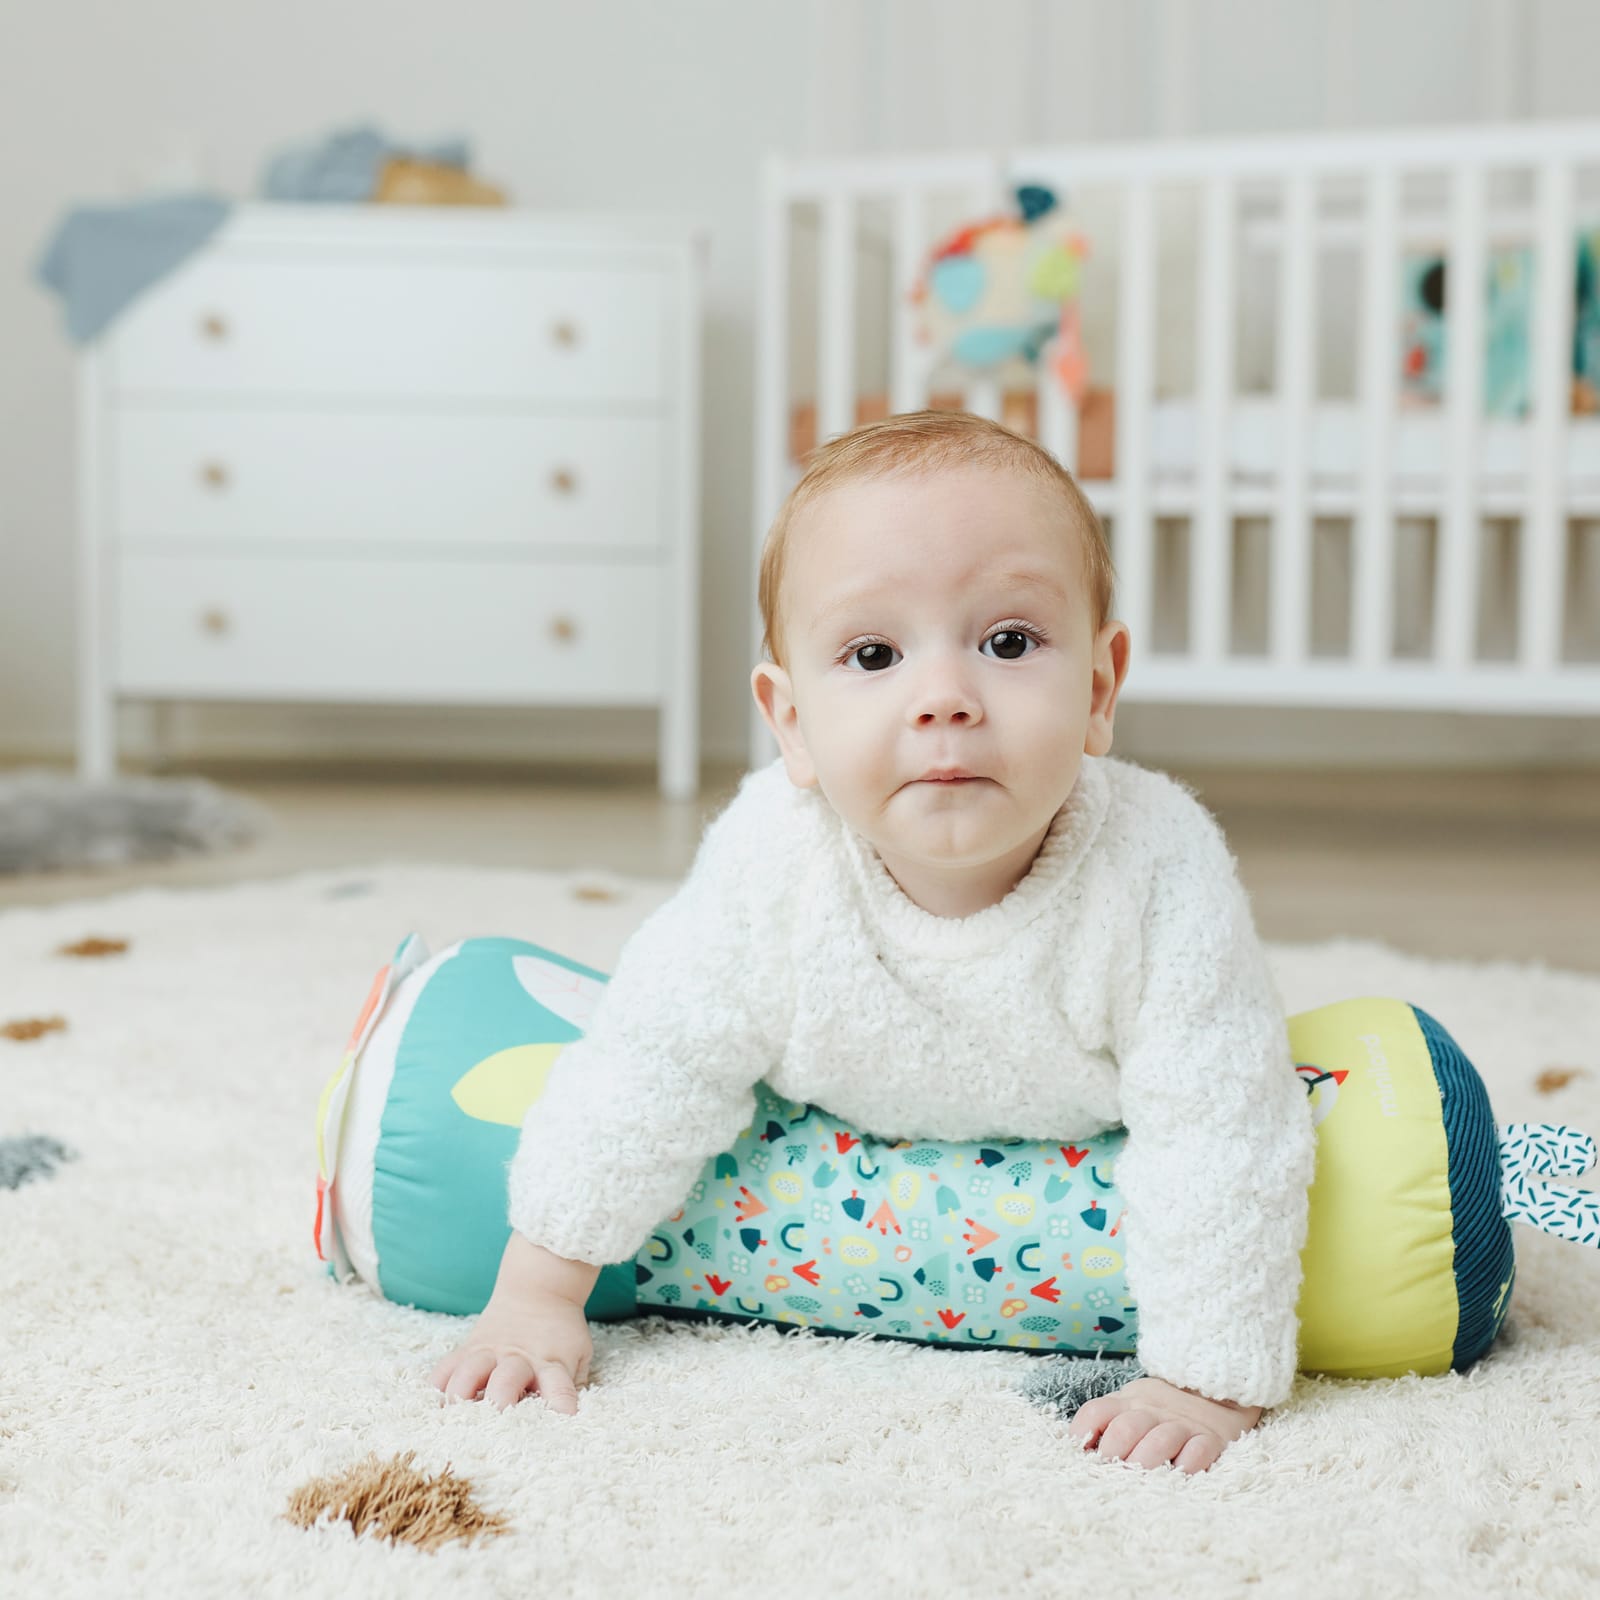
x: 1120, y: 981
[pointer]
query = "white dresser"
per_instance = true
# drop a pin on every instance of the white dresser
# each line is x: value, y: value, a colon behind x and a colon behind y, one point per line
x: 400, y: 454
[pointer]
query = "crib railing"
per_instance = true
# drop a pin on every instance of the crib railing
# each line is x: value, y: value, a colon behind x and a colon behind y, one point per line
x: 1369, y: 172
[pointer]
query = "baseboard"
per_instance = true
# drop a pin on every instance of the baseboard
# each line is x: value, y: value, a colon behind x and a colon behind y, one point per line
x: 1281, y: 736
x: 1154, y: 735
x: 362, y: 735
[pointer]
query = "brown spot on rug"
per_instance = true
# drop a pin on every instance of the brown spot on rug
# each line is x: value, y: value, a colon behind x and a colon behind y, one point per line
x: 32, y: 1027
x: 1553, y: 1078
x: 397, y: 1502
x: 94, y: 947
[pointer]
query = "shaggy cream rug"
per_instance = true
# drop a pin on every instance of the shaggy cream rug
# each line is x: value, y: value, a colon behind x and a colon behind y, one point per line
x: 174, y: 1364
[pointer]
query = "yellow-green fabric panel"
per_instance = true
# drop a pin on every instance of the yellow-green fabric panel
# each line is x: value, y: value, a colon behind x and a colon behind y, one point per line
x: 1379, y: 1295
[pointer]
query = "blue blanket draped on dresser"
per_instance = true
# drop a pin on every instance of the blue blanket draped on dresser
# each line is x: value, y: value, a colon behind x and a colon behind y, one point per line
x: 102, y: 257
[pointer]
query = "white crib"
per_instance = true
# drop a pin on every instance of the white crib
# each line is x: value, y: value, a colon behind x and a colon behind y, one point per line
x: 1468, y: 578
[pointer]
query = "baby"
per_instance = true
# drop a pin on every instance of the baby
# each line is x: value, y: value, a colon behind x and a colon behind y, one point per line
x: 945, y: 913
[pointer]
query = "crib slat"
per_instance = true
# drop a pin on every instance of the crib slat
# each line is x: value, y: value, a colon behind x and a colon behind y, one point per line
x: 1372, y: 628
x: 772, y: 405
x: 1291, y: 533
x: 1132, y: 528
x: 836, y: 411
x: 1544, y: 530
x: 983, y: 398
x: 1212, y: 527
x: 1057, y: 428
x: 908, y: 365
x: 987, y: 197
x: 1466, y: 289
x: 772, y: 389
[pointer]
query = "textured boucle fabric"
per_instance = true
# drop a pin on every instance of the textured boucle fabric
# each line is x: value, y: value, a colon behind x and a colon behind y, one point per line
x: 1120, y: 981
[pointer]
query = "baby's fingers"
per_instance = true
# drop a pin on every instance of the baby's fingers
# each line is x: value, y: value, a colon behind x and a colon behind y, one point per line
x: 1124, y: 1431
x: 1200, y: 1454
x: 472, y: 1367
x: 509, y: 1382
x: 1163, y: 1443
x: 1091, y: 1417
x: 556, y: 1385
x: 444, y: 1369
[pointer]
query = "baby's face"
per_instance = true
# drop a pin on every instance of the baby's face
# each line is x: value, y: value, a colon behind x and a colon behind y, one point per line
x: 941, y: 620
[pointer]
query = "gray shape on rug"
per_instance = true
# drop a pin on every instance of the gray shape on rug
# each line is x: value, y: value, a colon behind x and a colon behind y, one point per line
x: 50, y: 821
x: 1064, y: 1383
x: 33, y: 1155
x: 348, y: 891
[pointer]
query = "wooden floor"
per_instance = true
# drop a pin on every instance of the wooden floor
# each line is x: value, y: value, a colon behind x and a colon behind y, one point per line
x: 1470, y: 864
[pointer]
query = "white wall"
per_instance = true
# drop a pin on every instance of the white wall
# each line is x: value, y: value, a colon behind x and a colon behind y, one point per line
x: 667, y: 105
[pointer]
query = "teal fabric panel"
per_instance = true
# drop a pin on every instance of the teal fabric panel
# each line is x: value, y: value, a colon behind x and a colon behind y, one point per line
x: 439, y: 1183
x: 1007, y: 1242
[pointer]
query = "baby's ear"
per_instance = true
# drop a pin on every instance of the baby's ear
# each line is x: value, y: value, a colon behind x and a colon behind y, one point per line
x: 774, y: 694
x: 1111, y: 649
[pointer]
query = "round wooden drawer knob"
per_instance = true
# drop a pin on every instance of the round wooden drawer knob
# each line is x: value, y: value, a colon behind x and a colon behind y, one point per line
x: 214, y: 475
x: 214, y: 326
x: 565, y: 333
x: 215, y: 620
x: 563, y: 629
x: 564, y: 480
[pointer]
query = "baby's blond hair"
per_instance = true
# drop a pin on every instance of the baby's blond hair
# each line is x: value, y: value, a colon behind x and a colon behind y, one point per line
x: 928, y: 440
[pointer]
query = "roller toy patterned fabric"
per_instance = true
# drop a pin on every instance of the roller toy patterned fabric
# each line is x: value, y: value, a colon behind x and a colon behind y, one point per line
x: 1021, y: 1244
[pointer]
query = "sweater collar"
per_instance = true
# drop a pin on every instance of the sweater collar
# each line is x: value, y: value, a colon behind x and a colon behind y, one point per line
x: 915, y: 931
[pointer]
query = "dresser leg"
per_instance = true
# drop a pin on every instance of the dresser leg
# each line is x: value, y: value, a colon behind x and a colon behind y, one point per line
x: 97, y: 735
x: 163, y: 714
x: 679, y: 753
x: 97, y: 703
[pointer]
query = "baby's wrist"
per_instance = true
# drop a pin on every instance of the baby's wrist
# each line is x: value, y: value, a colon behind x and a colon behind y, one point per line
x: 527, y: 1267
x: 1232, y: 1405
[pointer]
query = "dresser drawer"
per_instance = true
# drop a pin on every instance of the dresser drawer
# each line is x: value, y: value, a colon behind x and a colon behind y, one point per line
x: 222, y: 475
x: 464, y: 328
x: 388, y: 628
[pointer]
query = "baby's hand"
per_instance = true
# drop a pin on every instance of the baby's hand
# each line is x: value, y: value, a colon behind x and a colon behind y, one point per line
x: 533, y: 1337
x: 1150, y: 1422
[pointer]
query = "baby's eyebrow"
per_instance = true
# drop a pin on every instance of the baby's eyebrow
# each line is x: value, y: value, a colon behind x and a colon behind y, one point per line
x: 843, y: 602
x: 863, y: 595
x: 1033, y: 580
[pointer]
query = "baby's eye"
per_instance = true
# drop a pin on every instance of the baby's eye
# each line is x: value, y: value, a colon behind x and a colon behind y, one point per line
x: 1011, y: 643
x: 875, y: 655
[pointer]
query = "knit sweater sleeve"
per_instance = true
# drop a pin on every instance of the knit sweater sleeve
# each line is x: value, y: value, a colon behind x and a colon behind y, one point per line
x: 1220, y: 1150
x: 664, y: 1078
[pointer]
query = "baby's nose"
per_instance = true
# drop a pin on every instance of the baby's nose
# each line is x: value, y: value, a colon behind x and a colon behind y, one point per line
x: 946, y: 697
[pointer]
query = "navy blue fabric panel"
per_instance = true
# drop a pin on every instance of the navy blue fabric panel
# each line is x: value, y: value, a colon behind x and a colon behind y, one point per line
x: 1484, y: 1254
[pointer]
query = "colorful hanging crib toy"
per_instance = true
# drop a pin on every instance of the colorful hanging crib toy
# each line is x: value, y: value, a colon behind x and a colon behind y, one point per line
x: 995, y: 292
x: 1408, y: 1265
